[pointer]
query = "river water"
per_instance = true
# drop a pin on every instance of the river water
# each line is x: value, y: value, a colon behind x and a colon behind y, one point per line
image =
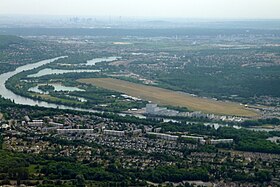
x: 98, y: 60
x: 7, y: 94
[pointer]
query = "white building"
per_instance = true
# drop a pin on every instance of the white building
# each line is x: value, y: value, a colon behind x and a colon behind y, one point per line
x: 114, y: 133
x: 50, y: 129
x: 228, y: 141
x: 56, y: 124
x: 151, y: 108
x: 148, y: 129
x: 27, y: 118
x: 198, y: 138
x: 79, y: 131
x: 137, y: 131
x: 162, y: 111
x: 157, y: 129
x: 164, y: 136
x: 35, y: 123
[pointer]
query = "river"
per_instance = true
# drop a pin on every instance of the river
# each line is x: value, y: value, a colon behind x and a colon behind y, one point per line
x: 7, y: 94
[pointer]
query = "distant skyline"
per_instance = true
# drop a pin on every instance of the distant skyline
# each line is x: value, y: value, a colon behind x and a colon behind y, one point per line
x: 212, y: 9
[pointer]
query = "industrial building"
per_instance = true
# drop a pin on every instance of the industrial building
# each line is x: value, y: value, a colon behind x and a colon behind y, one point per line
x: 153, y: 109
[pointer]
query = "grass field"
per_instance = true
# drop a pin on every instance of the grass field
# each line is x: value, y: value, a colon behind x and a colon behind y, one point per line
x: 168, y: 97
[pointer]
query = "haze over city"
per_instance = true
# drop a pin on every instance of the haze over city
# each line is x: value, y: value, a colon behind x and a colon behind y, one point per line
x: 221, y: 9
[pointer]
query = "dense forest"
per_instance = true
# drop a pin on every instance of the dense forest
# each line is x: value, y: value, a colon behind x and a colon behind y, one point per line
x: 6, y: 41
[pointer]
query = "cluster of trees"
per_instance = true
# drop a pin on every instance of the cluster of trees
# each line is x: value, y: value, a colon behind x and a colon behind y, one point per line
x: 260, y: 176
x: 260, y: 122
x: 46, y: 88
x: 67, y: 171
x: 128, y: 119
x: 5, y: 102
x: 175, y: 174
x: 1, y: 140
x: 14, y: 166
x: 258, y: 145
x: 246, y: 140
x: 6, y: 41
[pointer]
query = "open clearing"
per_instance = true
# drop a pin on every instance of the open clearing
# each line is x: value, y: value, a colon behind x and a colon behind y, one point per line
x: 168, y: 97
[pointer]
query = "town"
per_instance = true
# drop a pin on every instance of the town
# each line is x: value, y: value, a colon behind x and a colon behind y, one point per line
x: 139, y: 146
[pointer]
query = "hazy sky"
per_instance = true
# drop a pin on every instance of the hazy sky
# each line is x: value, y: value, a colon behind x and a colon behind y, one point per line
x: 146, y: 8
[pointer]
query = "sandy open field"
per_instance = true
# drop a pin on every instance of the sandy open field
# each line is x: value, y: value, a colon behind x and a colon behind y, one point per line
x: 169, y: 97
